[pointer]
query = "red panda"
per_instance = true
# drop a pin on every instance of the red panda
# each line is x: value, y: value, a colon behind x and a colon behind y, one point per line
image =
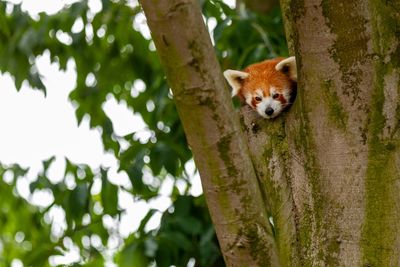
x: 268, y: 87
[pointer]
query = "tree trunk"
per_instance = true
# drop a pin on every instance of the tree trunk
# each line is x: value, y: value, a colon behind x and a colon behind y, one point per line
x: 343, y: 132
x: 213, y: 131
x: 318, y: 186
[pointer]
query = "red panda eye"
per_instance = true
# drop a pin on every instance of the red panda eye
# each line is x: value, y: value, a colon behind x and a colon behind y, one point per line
x: 257, y: 98
x: 275, y: 96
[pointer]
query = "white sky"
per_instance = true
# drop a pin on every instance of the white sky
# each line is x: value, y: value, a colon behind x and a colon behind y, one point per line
x: 34, y: 128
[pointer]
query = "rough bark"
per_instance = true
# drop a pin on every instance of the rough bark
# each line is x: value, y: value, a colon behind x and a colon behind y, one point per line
x: 214, y: 132
x: 343, y: 131
x: 326, y: 174
x: 270, y: 156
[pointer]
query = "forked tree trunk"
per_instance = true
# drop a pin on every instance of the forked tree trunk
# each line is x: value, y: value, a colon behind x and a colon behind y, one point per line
x: 318, y: 186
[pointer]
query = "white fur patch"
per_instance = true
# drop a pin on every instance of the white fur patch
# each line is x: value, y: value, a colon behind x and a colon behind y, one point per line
x: 290, y: 63
x: 249, y: 98
x: 234, y: 77
x: 268, y: 102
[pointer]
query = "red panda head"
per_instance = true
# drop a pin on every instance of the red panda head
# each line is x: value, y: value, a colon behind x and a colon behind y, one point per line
x: 267, y: 87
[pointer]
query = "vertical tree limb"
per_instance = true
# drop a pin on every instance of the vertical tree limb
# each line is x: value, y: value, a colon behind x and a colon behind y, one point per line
x: 270, y: 154
x: 341, y: 131
x: 213, y: 131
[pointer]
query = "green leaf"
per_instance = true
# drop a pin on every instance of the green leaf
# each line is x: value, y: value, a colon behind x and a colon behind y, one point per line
x: 145, y: 220
x: 177, y: 239
x: 133, y: 255
x: 78, y: 201
x: 163, y: 156
x: 95, y: 262
x: 47, y: 163
x: 155, y: 161
x: 109, y: 195
x: 189, y: 224
x: 183, y: 205
x: 39, y: 256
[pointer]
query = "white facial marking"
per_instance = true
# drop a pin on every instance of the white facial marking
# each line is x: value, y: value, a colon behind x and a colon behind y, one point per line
x: 249, y: 98
x: 233, y: 77
x: 290, y: 63
x: 269, y: 102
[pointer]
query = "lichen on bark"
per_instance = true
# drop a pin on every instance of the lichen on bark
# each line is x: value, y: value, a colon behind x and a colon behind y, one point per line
x: 334, y: 114
x: 381, y: 226
x: 326, y: 172
x: 213, y: 132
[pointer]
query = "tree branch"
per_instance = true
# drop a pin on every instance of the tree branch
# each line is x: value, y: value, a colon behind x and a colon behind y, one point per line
x: 213, y: 131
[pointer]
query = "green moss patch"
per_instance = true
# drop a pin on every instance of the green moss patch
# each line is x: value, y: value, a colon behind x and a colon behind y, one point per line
x: 380, y: 229
x: 336, y: 112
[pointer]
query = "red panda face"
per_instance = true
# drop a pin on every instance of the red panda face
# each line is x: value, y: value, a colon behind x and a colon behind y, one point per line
x: 267, y: 87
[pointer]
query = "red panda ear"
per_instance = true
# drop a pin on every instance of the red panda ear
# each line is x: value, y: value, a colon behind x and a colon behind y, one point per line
x: 288, y: 66
x: 235, y: 79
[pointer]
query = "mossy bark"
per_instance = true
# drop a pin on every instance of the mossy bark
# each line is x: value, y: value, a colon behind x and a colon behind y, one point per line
x: 269, y: 151
x: 214, y: 132
x: 343, y: 131
x: 318, y: 186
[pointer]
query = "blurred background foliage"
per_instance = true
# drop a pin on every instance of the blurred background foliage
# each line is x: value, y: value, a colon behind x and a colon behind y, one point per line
x: 115, y: 58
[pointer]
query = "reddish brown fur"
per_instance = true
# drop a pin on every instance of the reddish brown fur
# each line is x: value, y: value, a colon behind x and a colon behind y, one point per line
x: 262, y: 76
x: 253, y: 102
x: 282, y: 99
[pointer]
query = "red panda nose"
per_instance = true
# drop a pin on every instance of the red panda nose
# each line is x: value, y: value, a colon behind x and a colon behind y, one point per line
x: 269, y: 111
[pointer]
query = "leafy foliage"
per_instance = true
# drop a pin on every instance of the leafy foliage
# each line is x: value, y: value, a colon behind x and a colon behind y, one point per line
x: 114, y: 58
x: 185, y: 233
